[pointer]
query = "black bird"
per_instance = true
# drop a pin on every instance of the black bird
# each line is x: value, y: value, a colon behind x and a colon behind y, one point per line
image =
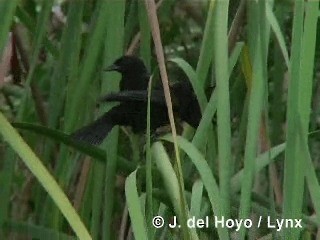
x: 129, y: 113
x: 185, y: 103
x: 132, y: 110
x: 133, y: 114
x: 134, y: 73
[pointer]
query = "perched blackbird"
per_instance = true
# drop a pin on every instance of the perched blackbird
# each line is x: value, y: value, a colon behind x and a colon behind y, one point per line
x: 132, y: 110
x: 133, y: 114
x: 185, y: 103
x: 134, y: 73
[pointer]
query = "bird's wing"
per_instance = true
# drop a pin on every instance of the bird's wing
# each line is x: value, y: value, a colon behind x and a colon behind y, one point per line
x: 157, y: 96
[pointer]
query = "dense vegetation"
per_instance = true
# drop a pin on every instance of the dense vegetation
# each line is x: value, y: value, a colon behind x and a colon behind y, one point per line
x: 254, y: 157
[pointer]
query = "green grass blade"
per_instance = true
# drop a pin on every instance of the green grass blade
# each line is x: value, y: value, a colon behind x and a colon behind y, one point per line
x: 207, y: 178
x: 196, y: 199
x: 145, y: 42
x: 309, y: 171
x: 149, y: 185
x: 223, y: 101
x: 114, y: 43
x: 262, y: 161
x: 254, y: 116
x: 134, y: 207
x: 235, y: 55
x: 67, y: 62
x: 42, y: 22
x: 7, y: 9
x: 293, y: 176
x: 61, y: 137
x: 31, y: 25
x: 192, y: 76
x: 44, y: 177
x: 79, y: 88
x: 205, y: 124
x: 277, y: 31
x: 171, y: 183
x: 207, y: 47
x: 307, y: 61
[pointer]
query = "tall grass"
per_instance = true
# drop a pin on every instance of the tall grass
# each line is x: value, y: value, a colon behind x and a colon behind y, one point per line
x: 252, y: 156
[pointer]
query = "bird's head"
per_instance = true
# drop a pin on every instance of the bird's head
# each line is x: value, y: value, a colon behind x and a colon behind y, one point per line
x: 128, y: 64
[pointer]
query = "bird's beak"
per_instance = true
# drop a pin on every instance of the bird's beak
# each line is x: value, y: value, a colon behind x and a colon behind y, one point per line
x: 112, y: 67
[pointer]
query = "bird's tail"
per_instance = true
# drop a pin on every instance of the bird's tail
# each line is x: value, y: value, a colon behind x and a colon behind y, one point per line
x: 95, y: 132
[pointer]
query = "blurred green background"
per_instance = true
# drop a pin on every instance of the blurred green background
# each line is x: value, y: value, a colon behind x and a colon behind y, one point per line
x: 254, y: 66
